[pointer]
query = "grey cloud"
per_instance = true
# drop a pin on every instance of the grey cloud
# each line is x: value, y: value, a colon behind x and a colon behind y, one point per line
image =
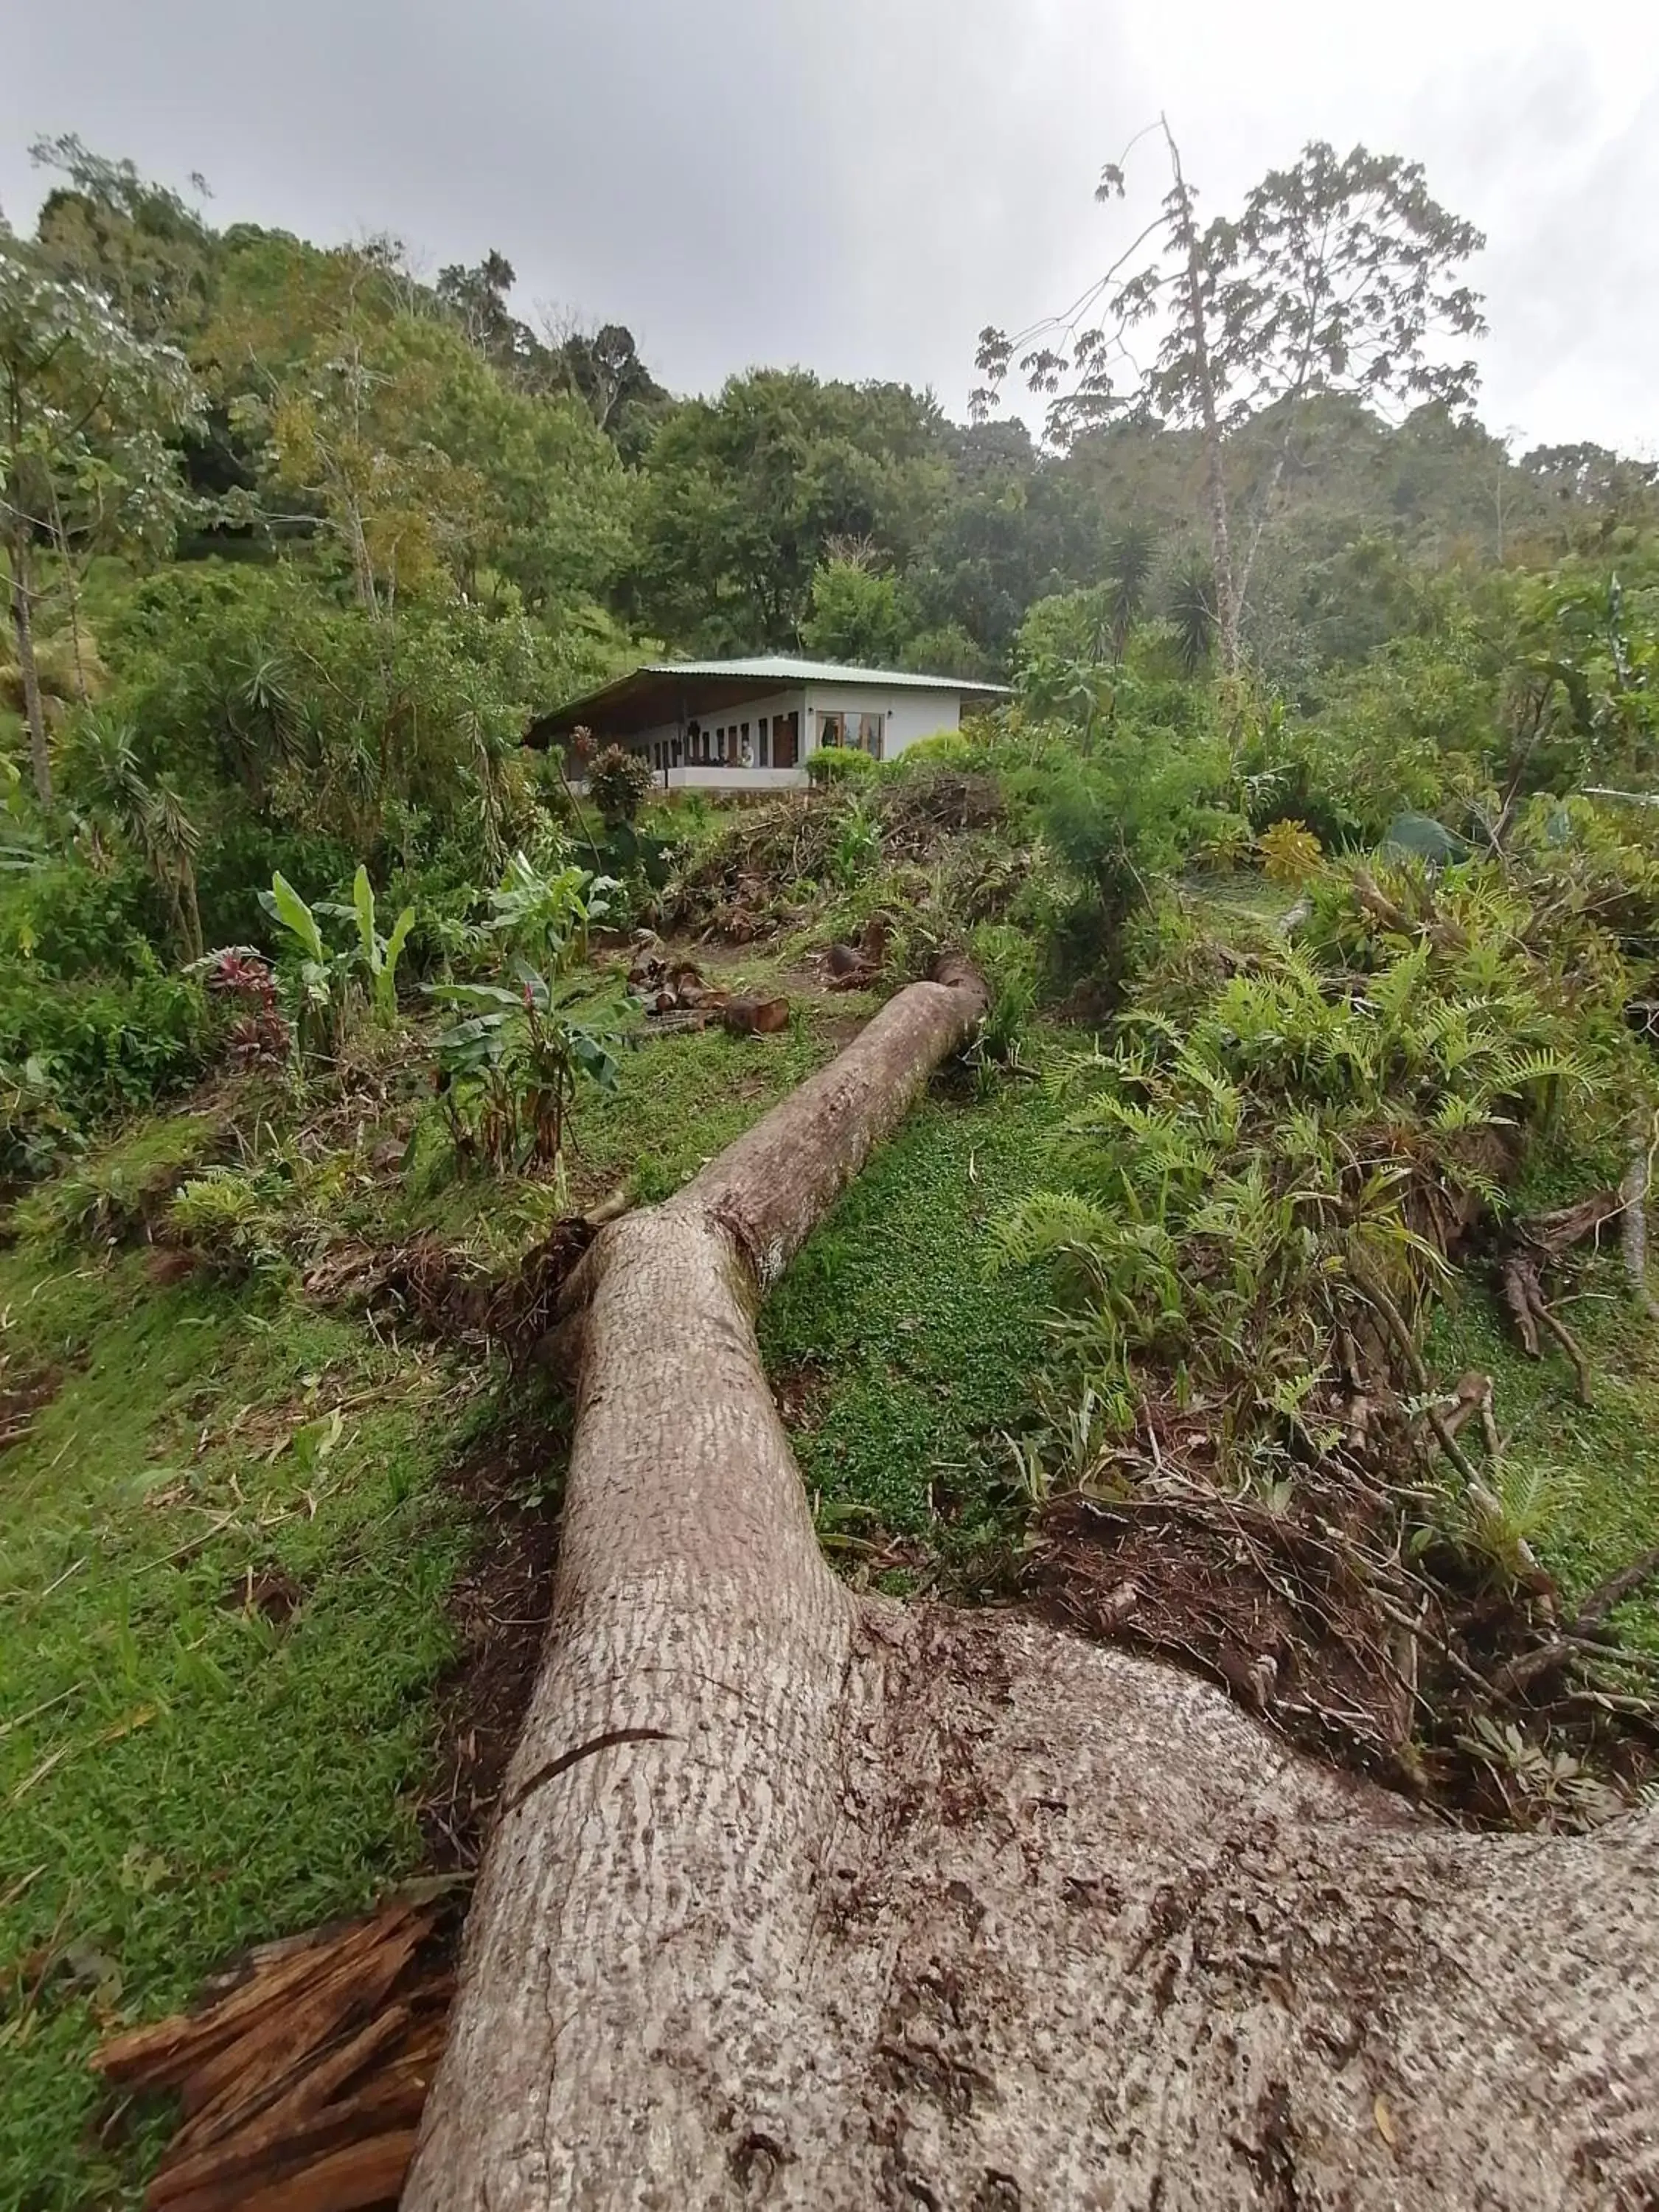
x: 857, y: 184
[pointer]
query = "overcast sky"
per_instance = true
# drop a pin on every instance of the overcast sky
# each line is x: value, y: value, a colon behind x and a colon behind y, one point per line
x: 859, y: 185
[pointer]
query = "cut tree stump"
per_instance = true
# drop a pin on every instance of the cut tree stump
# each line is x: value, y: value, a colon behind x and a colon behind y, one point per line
x: 802, y: 1899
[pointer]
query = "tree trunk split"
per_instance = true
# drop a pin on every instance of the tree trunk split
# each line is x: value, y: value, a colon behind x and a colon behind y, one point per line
x: 807, y: 1899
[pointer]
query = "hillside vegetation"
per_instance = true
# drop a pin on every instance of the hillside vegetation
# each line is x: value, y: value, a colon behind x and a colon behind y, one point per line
x: 1266, y: 1288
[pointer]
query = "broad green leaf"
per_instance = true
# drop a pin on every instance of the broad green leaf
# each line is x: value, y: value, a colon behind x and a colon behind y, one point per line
x: 386, y: 978
x: 362, y: 905
x: 295, y: 916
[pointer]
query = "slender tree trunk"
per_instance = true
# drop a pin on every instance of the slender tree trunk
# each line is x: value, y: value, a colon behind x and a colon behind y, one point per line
x: 22, y: 623
x: 809, y: 1900
x: 1215, y: 473
x: 72, y: 594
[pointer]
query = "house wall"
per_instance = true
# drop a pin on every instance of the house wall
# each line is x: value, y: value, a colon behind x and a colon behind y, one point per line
x: 908, y: 715
x: 728, y: 718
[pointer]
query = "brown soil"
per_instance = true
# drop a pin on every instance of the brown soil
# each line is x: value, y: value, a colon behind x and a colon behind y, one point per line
x: 270, y: 1591
x: 498, y: 1608
x: 23, y: 1392
x: 1269, y: 1610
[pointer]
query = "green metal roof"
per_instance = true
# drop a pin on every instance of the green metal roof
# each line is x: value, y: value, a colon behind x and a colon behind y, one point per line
x: 656, y: 691
x: 780, y: 667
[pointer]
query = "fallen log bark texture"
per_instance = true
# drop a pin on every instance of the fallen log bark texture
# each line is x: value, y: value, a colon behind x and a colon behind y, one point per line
x: 798, y: 1899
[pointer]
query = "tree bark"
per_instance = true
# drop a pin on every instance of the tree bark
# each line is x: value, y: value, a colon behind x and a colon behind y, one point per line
x: 22, y: 623
x: 811, y: 1900
x: 1228, y: 611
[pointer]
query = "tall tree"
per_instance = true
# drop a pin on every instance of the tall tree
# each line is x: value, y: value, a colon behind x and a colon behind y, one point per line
x: 86, y: 408
x: 743, y: 494
x: 139, y: 245
x: 1339, y: 275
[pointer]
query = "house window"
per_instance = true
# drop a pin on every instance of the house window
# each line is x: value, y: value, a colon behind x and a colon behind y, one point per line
x: 832, y: 727
x: 870, y: 734
x: 760, y: 741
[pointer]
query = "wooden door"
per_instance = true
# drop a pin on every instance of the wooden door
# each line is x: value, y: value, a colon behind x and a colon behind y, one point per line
x: 786, y: 740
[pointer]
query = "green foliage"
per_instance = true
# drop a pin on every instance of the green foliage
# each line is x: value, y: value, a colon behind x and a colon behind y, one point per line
x: 88, y: 408
x: 73, y: 1052
x: 330, y: 983
x: 543, y: 916
x: 229, y: 1215
x: 618, y: 783
x: 120, y: 1190
x: 744, y: 496
x: 1118, y: 819
x: 510, y: 1069
x: 1262, y: 1147
x: 855, y: 616
x: 857, y: 848
x: 829, y: 766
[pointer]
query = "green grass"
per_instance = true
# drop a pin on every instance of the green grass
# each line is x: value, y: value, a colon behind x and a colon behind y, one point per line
x: 1602, y: 1461
x: 179, y: 1775
x: 681, y: 1097
x: 907, y: 1357
x: 114, y: 1188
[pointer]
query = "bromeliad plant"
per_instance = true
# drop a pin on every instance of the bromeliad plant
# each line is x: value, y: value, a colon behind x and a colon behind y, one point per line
x: 333, y: 982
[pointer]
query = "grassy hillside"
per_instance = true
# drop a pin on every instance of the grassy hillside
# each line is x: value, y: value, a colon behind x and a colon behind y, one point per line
x: 234, y: 1515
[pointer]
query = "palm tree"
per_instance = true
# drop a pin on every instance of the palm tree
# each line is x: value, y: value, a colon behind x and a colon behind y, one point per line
x: 1190, y: 604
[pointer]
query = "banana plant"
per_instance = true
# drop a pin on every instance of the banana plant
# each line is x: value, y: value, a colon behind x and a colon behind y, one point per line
x: 330, y: 977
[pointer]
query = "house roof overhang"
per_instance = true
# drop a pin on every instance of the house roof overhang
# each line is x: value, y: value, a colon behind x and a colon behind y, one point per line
x: 665, y: 692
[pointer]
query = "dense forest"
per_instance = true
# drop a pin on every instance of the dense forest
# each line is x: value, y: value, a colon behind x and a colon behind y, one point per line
x: 1263, y: 1286
x: 297, y: 544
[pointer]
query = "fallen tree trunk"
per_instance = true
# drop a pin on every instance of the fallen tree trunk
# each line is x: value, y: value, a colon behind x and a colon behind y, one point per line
x: 806, y: 1900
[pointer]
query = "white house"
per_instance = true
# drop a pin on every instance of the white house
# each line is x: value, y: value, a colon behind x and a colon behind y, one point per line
x: 751, y: 725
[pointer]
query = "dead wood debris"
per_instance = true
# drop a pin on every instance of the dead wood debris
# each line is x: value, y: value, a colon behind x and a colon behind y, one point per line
x: 677, y: 995
x: 1531, y: 1246
x: 1344, y: 1609
x: 856, y: 967
x: 428, y: 1286
x: 302, y: 2077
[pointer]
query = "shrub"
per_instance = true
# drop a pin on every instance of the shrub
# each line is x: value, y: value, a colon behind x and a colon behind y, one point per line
x: 1261, y: 1148
x: 948, y: 748
x: 1290, y: 852
x: 832, y: 765
x: 93, y: 1048
x: 330, y: 983
x: 62, y: 919
x: 618, y: 783
x: 230, y: 1217
x: 122, y: 1189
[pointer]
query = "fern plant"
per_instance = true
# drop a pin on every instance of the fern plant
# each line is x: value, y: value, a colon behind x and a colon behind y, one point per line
x: 1228, y: 1190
